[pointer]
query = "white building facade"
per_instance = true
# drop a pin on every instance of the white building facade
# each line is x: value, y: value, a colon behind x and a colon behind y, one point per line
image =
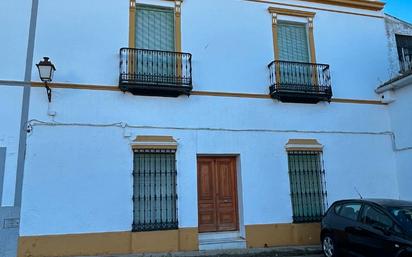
x: 397, y: 92
x: 229, y: 124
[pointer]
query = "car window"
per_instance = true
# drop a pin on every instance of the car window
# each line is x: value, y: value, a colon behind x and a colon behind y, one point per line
x: 337, y: 208
x: 403, y: 215
x: 350, y: 210
x: 372, y: 216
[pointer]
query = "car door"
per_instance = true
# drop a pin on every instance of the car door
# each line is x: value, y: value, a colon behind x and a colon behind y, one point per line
x: 377, y: 236
x: 347, y: 221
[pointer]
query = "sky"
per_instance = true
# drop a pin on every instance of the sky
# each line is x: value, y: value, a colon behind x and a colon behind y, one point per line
x: 399, y: 8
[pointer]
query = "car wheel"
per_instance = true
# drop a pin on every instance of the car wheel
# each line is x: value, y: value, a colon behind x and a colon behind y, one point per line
x: 328, y: 246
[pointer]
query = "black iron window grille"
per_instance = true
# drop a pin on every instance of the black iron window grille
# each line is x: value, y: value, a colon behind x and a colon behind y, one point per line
x: 155, y: 196
x: 404, y: 44
x: 294, y: 81
x: 307, y: 185
x: 150, y: 71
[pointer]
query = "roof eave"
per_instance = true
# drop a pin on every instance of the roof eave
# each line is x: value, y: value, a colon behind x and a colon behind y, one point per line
x: 396, y: 83
x: 360, y: 4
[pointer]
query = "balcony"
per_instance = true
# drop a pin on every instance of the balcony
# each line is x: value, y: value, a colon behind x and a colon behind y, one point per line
x: 155, y: 73
x: 300, y: 82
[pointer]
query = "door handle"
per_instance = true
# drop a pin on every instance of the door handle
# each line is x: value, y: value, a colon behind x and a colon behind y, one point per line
x: 225, y: 201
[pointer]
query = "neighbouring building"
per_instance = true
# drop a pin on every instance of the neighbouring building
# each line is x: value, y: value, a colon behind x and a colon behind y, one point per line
x: 187, y: 125
x: 397, y: 92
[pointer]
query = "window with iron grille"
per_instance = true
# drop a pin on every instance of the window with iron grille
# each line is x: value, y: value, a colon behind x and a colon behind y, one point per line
x: 404, y: 44
x: 155, y: 197
x: 307, y: 184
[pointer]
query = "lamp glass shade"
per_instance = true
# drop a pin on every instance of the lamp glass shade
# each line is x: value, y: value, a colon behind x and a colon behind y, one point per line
x: 46, y: 70
x: 46, y: 73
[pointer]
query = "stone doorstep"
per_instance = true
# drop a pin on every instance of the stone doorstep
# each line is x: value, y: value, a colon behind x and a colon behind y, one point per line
x: 308, y: 251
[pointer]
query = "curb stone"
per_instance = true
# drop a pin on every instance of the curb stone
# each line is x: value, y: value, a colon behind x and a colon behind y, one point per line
x: 309, y: 251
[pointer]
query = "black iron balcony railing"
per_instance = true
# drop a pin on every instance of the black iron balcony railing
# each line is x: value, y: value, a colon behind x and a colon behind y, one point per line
x: 300, y: 82
x: 153, y: 72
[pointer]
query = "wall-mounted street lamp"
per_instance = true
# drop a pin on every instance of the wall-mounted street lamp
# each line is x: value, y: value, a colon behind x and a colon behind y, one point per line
x: 46, y: 72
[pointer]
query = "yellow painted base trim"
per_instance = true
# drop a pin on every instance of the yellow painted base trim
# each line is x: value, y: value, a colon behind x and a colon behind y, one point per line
x: 181, y: 240
x: 77, y: 86
x: 184, y: 239
x: 282, y: 235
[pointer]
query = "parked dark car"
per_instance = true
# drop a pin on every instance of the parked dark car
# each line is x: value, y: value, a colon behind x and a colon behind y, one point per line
x: 368, y: 227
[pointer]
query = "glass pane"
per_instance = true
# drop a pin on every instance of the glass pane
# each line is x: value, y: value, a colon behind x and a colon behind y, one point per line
x: 155, y: 31
x: 375, y: 218
x: 293, y: 47
x: 350, y: 211
x: 293, y: 42
x: 404, y: 216
x: 337, y: 208
x: 154, y: 28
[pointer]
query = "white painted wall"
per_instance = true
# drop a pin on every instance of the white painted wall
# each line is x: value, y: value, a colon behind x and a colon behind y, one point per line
x: 92, y: 191
x: 400, y: 110
x: 10, y: 110
x: 400, y: 114
x: 14, y: 30
x: 82, y: 38
x: 244, y: 45
x: 231, y: 43
x: 404, y: 164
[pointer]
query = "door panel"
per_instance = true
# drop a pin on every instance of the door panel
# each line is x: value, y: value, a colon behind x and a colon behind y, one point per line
x: 217, y: 194
x: 375, y: 236
x: 155, y: 30
x: 294, y: 47
x: 206, y: 195
x: 226, y: 198
x: 293, y: 42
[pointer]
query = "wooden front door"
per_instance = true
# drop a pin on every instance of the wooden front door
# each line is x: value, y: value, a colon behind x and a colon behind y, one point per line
x: 217, y: 194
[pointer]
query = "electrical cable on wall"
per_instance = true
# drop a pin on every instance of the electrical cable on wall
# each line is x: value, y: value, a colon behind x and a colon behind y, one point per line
x: 34, y: 122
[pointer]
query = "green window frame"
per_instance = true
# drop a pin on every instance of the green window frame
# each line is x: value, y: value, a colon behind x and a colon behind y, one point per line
x: 307, y: 186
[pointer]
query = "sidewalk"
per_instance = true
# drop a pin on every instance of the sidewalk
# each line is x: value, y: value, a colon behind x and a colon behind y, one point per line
x: 308, y: 251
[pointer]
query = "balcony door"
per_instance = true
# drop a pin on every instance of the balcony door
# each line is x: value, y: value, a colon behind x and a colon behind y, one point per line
x: 294, y: 47
x: 155, y: 32
x: 217, y: 194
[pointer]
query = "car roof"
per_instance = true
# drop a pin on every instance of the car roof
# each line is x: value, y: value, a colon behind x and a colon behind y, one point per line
x: 382, y: 202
